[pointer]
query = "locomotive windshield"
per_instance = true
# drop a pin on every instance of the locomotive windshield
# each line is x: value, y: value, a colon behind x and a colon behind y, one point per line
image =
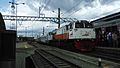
x: 79, y: 25
x: 88, y: 25
x: 83, y: 24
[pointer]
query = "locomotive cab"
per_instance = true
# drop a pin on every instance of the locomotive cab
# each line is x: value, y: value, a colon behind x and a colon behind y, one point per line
x: 82, y: 30
x: 83, y: 35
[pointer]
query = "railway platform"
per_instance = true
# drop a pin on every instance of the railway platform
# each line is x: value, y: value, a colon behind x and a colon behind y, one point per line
x: 22, y: 51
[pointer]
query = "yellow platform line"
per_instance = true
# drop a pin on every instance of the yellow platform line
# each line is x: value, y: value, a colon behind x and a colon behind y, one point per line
x: 26, y: 46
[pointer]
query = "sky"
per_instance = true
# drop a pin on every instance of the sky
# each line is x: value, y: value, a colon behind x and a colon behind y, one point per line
x: 80, y: 9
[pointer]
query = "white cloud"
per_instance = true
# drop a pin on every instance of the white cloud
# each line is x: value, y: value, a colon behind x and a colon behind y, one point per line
x: 87, y: 9
x: 98, y: 10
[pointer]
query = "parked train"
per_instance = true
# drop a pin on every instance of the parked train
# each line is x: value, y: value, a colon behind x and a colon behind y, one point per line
x: 78, y: 35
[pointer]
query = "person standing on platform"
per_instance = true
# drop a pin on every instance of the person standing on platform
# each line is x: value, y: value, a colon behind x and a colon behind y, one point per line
x: 115, y: 39
x: 99, y: 38
x: 109, y: 39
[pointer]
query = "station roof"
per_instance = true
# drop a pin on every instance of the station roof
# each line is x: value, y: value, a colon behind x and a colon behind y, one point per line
x: 108, y: 17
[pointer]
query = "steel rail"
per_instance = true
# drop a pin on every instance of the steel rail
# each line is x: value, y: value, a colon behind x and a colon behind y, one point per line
x: 56, y: 61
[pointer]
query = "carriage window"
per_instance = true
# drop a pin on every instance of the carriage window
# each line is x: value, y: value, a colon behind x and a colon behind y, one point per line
x: 79, y: 25
x: 88, y: 25
x: 66, y: 27
x: 71, y: 26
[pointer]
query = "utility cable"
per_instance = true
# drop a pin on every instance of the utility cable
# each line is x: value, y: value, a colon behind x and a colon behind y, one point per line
x: 45, y: 5
x: 72, y: 7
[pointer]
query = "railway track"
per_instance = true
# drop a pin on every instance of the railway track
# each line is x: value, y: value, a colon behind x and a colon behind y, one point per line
x: 83, y: 60
x: 112, y: 55
x: 40, y: 62
x: 50, y: 60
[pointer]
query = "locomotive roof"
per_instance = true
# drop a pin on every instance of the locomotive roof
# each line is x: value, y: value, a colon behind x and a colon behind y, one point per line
x: 81, y: 21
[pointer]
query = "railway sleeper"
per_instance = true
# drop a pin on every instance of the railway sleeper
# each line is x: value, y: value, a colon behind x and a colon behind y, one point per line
x: 56, y: 61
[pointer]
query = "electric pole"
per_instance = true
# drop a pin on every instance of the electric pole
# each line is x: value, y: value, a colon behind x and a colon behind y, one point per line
x: 43, y: 31
x: 39, y: 11
x: 58, y: 17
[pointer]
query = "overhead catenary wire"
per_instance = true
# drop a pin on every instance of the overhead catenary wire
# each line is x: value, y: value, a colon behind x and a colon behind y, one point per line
x: 73, y: 12
x: 72, y: 7
x: 42, y: 9
x: 47, y: 3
